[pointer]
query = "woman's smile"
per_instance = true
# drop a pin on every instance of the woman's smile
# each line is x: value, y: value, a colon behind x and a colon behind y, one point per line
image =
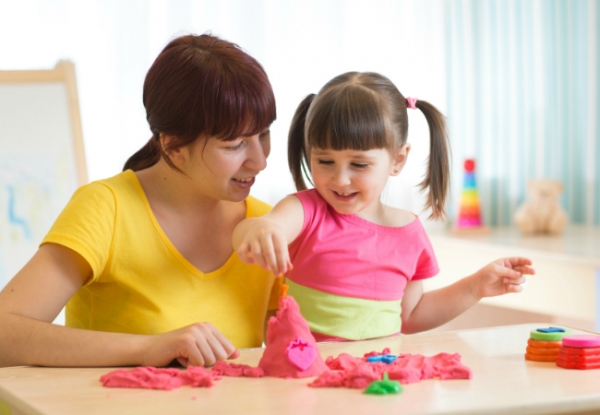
x: 244, y: 183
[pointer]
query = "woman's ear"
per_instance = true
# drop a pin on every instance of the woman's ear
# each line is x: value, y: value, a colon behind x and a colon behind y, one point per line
x: 174, y: 154
x: 400, y: 159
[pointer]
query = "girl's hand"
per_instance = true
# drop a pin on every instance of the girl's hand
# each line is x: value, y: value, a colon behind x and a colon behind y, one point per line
x: 265, y: 244
x: 199, y: 344
x: 502, y: 276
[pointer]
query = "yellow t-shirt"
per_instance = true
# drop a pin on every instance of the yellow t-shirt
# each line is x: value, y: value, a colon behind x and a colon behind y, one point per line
x: 141, y: 284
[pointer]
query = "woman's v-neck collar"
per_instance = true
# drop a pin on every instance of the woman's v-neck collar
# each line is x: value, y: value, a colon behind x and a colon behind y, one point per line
x: 174, y: 251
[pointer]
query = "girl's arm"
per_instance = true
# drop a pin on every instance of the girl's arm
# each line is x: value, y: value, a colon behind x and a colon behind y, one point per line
x: 35, y: 296
x: 425, y: 311
x: 264, y: 240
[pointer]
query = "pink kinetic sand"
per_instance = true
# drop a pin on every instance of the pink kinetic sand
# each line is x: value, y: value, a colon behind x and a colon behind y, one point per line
x: 291, y: 352
x: 353, y: 372
x: 288, y: 336
x: 237, y: 370
x: 152, y: 378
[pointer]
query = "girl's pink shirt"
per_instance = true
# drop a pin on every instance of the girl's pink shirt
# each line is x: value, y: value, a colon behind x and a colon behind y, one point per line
x: 349, y: 256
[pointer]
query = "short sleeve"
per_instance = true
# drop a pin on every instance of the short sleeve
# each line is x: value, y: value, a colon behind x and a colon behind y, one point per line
x: 86, y: 225
x: 427, y: 265
x: 310, y: 200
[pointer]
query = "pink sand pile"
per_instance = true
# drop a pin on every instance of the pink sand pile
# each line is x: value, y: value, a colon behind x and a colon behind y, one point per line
x: 148, y: 377
x: 352, y: 372
x: 237, y: 370
x: 291, y: 352
x: 283, y: 332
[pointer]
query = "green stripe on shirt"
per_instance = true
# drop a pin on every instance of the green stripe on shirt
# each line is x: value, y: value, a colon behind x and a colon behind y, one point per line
x: 346, y: 317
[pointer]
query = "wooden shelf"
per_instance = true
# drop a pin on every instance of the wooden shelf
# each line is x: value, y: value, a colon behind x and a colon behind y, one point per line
x: 578, y: 242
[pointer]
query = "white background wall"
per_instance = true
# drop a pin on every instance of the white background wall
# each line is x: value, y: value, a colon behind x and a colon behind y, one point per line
x: 301, y: 44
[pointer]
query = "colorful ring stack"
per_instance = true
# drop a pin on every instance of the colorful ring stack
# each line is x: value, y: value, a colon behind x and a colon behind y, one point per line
x: 579, y: 351
x: 544, y: 344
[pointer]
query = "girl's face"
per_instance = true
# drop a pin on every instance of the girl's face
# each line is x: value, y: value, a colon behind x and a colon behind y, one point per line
x: 226, y: 170
x: 351, y: 181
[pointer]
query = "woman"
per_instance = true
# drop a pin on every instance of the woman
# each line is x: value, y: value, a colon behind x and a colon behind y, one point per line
x: 143, y: 260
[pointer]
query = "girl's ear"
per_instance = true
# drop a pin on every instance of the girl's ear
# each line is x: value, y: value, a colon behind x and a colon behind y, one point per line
x: 175, y: 155
x: 400, y: 159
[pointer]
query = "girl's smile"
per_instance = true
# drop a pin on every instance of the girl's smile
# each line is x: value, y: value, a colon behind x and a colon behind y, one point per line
x: 351, y: 181
x: 345, y: 197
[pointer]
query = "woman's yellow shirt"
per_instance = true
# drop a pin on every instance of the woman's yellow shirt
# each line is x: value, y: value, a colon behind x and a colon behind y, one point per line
x: 141, y: 284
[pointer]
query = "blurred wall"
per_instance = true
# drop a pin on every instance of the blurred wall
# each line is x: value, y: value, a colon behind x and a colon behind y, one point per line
x: 517, y: 79
x: 522, y: 88
x: 301, y: 44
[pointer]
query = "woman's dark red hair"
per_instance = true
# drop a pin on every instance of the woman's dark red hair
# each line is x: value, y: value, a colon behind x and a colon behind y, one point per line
x: 200, y: 87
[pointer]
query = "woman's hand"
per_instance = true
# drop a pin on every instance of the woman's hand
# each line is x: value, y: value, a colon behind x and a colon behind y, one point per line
x: 199, y: 344
x: 502, y: 276
x: 264, y: 242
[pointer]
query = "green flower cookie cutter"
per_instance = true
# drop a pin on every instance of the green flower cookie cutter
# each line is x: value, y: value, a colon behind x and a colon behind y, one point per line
x: 384, y: 387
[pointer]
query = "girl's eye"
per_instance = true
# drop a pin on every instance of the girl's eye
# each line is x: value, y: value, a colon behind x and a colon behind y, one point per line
x: 360, y: 166
x: 326, y: 162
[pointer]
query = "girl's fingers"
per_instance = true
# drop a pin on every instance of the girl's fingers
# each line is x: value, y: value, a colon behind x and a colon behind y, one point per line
x: 525, y: 270
x: 257, y: 254
x: 514, y: 288
x: 515, y: 281
x: 269, y: 254
x: 518, y: 261
x: 245, y: 254
x: 282, y: 254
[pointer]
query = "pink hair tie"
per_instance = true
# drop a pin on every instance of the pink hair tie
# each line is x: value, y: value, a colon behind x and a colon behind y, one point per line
x: 412, y: 103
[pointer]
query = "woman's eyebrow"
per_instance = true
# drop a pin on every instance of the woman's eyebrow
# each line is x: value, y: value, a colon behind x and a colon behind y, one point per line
x: 266, y: 130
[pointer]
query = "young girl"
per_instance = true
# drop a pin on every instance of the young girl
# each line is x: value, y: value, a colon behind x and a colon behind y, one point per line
x: 143, y: 260
x: 354, y: 265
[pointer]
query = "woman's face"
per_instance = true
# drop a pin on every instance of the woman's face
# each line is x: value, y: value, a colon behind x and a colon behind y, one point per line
x: 226, y: 170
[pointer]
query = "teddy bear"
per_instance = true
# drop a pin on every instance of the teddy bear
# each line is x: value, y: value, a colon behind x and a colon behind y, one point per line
x: 542, y: 213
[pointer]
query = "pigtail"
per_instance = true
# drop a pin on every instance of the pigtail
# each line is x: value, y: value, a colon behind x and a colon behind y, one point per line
x: 145, y: 157
x: 297, y: 158
x: 437, y: 178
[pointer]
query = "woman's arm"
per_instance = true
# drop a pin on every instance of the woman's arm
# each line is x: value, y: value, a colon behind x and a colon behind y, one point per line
x: 35, y: 296
x: 264, y: 240
x: 425, y: 311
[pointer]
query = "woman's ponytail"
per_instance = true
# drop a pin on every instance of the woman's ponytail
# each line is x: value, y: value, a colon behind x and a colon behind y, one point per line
x: 145, y: 157
x: 297, y: 158
x: 437, y: 178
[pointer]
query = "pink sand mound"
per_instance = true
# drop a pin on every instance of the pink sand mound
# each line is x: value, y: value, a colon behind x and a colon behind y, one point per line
x: 237, y: 370
x: 147, y: 377
x: 288, y: 342
x: 353, y: 372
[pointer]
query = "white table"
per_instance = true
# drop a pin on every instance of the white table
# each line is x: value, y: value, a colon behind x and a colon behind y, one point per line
x: 503, y: 383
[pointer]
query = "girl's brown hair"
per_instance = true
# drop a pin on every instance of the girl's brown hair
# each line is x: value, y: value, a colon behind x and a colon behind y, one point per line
x: 363, y: 111
x: 199, y: 87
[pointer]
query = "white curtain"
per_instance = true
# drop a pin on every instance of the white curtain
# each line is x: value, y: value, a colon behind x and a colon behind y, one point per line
x: 523, y: 100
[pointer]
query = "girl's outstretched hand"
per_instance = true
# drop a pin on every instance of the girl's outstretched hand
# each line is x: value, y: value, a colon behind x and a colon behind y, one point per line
x: 199, y: 344
x: 265, y: 243
x: 502, y: 276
